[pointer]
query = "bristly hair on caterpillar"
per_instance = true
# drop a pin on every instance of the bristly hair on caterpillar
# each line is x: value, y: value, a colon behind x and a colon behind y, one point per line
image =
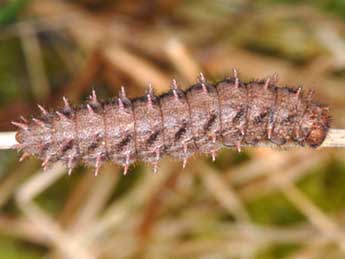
x: 179, y: 123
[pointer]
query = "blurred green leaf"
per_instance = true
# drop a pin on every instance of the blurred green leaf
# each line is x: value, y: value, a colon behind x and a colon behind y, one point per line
x: 336, y: 7
x: 277, y: 251
x: 53, y: 199
x: 325, y: 186
x: 274, y: 209
x: 13, y: 77
x: 14, y: 249
x: 9, y: 10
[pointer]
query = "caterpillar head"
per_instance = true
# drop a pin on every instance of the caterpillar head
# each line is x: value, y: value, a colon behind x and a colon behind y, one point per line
x: 316, y: 128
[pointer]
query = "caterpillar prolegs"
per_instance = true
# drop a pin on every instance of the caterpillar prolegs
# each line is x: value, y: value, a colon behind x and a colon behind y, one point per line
x: 201, y: 119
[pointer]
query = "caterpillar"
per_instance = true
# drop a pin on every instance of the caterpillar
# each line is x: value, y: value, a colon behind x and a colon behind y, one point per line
x: 179, y: 123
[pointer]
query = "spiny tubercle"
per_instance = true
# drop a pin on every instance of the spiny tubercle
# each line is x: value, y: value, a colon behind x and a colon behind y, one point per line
x: 178, y: 123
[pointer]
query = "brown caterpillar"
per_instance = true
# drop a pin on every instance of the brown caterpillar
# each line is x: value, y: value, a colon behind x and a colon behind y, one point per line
x: 178, y: 123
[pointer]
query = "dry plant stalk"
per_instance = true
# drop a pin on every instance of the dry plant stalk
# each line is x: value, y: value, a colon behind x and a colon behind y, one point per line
x: 203, y: 119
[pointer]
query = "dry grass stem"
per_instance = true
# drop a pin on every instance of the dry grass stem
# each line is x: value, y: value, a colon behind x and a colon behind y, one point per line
x: 335, y: 138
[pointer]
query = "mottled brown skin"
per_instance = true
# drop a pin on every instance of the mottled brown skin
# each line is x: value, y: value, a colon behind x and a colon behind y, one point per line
x: 119, y: 121
x: 205, y: 117
x: 178, y: 123
x: 178, y: 131
x: 262, y: 103
x: 149, y: 129
x: 233, y: 106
